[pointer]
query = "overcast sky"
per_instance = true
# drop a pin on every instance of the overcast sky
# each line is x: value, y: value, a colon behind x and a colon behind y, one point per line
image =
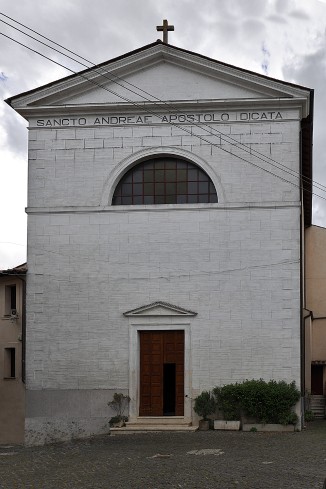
x: 284, y: 39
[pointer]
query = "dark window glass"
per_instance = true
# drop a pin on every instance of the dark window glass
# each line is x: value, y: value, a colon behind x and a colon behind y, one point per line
x: 181, y: 199
x: 212, y: 198
x: 170, y: 199
x: 159, y: 175
x: 192, y: 175
x: 137, y: 199
x: 128, y: 178
x: 192, y: 199
x: 182, y: 175
x: 137, y: 176
x: 148, y: 176
x: 9, y: 363
x: 170, y: 164
x: 148, y: 188
x: 170, y: 188
x: 164, y: 181
x: 159, y: 189
x: 148, y: 199
x: 159, y: 199
x: 203, y: 187
x: 126, y: 189
x: 192, y: 188
x: 138, y: 189
x: 203, y: 198
x: 170, y: 176
x: 126, y: 200
x: 182, y: 188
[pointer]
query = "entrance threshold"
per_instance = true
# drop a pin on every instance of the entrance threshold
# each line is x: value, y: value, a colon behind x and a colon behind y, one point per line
x: 143, y: 424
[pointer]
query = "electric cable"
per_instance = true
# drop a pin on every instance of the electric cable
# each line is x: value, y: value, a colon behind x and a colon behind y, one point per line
x: 176, y: 125
x: 235, y: 143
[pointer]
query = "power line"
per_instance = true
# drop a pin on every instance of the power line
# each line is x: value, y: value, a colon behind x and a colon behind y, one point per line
x: 235, y: 143
x: 248, y: 150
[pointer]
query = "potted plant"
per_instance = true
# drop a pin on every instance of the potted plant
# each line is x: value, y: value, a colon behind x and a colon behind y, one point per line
x: 119, y: 404
x: 204, y: 406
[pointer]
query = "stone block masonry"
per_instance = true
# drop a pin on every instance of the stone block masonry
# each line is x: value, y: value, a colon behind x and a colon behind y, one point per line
x: 225, y: 275
x: 229, y: 262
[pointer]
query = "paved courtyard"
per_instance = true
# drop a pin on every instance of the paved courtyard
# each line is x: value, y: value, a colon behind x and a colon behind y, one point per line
x: 221, y: 460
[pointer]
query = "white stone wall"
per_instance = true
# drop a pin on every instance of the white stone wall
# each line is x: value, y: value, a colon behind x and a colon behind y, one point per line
x: 235, y: 263
x: 71, y: 167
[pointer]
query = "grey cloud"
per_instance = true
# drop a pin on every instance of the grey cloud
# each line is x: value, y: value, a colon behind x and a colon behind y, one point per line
x: 253, y: 27
x: 15, y: 130
x: 311, y: 72
x: 299, y: 14
x: 281, y: 6
x: 277, y: 19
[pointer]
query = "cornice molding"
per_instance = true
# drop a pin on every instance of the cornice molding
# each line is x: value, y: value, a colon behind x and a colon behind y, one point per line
x: 75, y: 85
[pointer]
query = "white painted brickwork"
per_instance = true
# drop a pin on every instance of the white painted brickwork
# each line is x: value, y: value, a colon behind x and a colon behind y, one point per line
x: 237, y: 267
x: 95, y: 267
x: 235, y: 263
x: 76, y: 173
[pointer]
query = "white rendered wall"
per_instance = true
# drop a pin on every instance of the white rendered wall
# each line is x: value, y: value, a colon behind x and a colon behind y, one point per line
x: 235, y: 263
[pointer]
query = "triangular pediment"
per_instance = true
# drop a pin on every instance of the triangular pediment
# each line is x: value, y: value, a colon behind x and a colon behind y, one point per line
x: 159, y: 309
x: 155, y: 73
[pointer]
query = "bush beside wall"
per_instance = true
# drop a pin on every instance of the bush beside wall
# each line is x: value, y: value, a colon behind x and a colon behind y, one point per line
x: 267, y: 402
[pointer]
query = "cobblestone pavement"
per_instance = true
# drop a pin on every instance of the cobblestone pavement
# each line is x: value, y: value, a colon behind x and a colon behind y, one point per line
x: 214, y: 459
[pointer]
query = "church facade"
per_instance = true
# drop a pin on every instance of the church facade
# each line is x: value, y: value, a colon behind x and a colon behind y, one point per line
x: 165, y: 220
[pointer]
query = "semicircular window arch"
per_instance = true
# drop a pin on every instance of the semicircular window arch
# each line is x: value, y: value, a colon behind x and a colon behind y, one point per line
x: 165, y: 180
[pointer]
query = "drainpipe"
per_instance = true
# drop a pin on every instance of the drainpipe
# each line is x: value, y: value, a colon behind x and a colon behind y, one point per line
x: 23, y: 280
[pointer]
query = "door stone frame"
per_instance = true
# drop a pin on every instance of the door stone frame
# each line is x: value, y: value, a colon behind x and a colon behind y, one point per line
x: 134, y: 361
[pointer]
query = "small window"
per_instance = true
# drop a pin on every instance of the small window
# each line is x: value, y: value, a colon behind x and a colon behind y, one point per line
x: 10, y: 363
x: 165, y: 180
x: 10, y: 299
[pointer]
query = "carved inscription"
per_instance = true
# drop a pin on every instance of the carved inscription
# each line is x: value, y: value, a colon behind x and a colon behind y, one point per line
x: 178, y: 118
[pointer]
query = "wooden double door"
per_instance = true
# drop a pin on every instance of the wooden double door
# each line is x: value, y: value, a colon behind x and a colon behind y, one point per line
x: 161, y: 373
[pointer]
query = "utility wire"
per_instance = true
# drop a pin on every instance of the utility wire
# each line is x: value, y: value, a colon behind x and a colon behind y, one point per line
x: 142, y: 107
x: 242, y: 146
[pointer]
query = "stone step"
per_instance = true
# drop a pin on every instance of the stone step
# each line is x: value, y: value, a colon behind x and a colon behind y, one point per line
x: 317, y: 406
x: 159, y: 420
x: 142, y: 428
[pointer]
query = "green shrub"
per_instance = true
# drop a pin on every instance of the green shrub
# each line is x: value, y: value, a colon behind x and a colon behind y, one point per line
x: 204, y: 404
x: 290, y: 418
x: 267, y: 402
x: 309, y: 416
x: 228, y: 400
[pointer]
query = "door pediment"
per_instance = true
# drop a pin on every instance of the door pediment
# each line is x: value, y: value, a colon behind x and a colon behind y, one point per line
x: 159, y: 309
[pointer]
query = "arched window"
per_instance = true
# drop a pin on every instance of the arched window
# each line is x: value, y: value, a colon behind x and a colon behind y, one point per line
x: 164, y: 180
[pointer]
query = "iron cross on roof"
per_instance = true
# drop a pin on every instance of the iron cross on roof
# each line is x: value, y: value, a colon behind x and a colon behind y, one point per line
x: 165, y: 28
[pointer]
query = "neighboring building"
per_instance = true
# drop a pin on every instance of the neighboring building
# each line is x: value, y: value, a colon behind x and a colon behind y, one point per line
x: 315, y: 318
x: 164, y: 237
x: 12, y: 389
